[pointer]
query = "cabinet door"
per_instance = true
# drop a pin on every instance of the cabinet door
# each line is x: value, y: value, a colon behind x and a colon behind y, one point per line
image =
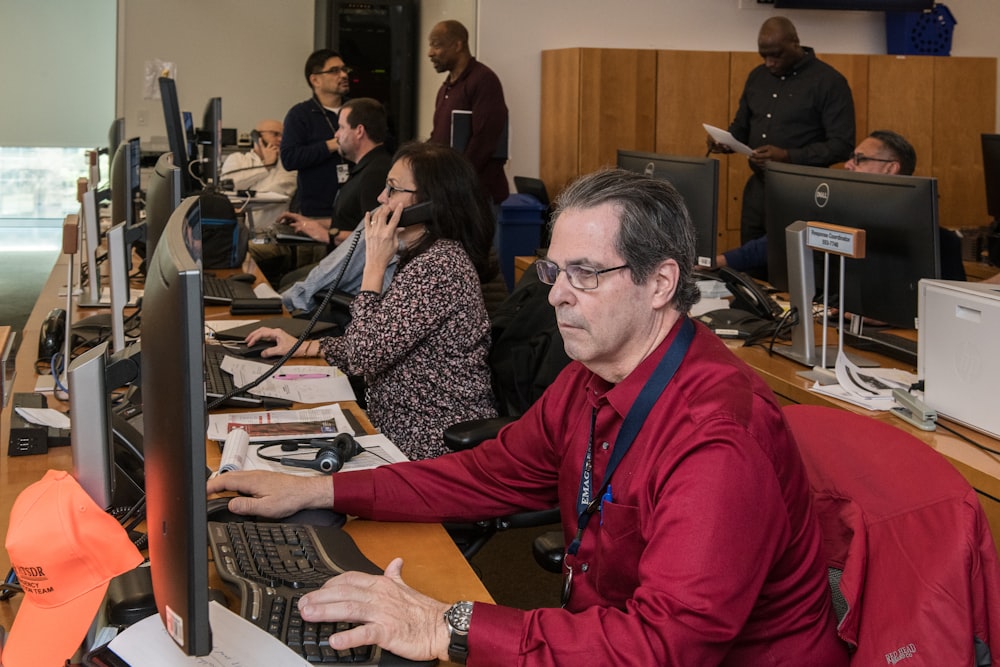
x: 692, y: 88
x: 559, y: 150
x: 965, y: 91
x: 900, y: 98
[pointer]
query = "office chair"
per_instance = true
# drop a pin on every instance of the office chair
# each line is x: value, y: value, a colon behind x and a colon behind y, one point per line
x: 526, y: 356
x: 907, y: 544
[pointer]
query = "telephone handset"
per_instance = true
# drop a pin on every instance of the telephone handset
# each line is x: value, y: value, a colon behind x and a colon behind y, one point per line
x: 748, y: 295
x: 254, y: 137
x: 414, y: 215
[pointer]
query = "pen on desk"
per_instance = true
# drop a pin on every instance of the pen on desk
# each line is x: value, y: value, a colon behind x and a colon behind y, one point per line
x: 301, y: 376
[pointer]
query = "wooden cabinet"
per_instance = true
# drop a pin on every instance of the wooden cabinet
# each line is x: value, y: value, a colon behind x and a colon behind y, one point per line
x: 595, y: 101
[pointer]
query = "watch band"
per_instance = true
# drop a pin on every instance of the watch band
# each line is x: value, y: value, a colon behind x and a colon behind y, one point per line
x: 458, y: 618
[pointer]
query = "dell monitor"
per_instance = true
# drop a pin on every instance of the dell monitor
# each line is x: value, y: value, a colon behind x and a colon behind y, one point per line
x: 177, y: 138
x: 174, y: 424
x: 163, y: 195
x: 211, y: 139
x: 898, y: 214
x: 126, y: 193
x: 116, y: 135
x: 697, y: 181
x: 991, y: 170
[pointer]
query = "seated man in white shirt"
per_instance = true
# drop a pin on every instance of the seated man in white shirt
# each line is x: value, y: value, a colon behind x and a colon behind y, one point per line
x: 260, y: 170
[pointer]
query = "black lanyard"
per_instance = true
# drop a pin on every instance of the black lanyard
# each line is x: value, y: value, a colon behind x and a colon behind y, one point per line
x: 588, y: 502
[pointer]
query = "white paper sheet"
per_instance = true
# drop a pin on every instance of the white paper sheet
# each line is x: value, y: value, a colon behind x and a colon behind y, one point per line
x: 723, y: 137
x: 299, y: 384
x: 379, y: 451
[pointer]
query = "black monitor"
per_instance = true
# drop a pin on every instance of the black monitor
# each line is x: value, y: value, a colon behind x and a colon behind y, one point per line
x: 163, y: 195
x: 898, y: 214
x: 697, y: 181
x: 126, y: 193
x: 174, y: 423
x: 991, y: 170
x: 177, y: 138
x: 211, y: 138
x: 116, y: 135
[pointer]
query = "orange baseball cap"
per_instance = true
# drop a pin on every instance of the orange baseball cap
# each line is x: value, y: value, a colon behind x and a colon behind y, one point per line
x: 64, y: 549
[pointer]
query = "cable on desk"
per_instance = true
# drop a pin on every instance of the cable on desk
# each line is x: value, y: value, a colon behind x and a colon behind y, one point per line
x: 969, y: 440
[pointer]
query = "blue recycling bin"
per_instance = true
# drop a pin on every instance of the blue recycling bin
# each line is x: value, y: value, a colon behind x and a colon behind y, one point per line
x: 518, y: 231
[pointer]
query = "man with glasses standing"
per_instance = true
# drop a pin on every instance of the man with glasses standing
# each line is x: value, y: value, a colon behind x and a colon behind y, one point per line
x: 309, y: 144
x: 686, y: 507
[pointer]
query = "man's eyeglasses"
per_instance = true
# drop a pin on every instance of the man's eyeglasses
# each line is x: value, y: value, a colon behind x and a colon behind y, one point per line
x: 392, y: 189
x: 580, y: 276
x: 336, y: 70
x: 860, y: 158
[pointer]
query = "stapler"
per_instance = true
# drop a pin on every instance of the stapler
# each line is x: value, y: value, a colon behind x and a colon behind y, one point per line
x: 913, y: 410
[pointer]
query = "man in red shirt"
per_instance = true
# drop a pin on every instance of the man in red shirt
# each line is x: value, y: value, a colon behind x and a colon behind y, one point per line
x: 687, y: 511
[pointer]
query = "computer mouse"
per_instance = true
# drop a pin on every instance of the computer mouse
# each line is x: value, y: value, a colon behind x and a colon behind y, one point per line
x: 243, y: 277
x: 248, y: 351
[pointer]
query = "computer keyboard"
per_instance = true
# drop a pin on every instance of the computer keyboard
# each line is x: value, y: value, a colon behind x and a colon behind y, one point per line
x: 222, y: 291
x: 219, y: 383
x: 271, y: 565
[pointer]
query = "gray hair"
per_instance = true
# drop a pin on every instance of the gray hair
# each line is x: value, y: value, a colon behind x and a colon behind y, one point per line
x: 655, y: 225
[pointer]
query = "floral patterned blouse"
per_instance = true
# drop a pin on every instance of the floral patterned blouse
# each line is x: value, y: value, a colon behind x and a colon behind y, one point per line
x: 422, y: 346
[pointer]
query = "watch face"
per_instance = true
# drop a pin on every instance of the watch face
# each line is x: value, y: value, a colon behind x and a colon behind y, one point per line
x: 459, y: 616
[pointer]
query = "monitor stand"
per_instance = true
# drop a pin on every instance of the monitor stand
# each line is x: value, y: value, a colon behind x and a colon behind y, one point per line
x: 801, y: 289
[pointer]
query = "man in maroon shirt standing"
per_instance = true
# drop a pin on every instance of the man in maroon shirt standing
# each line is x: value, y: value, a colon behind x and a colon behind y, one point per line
x: 685, y: 504
x: 470, y: 86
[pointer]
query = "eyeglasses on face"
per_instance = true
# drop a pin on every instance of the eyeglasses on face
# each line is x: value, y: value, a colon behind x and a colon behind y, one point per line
x: 861, y: 158
x: 392, y: 189
x: 580, y: 276
x: 336, y: 70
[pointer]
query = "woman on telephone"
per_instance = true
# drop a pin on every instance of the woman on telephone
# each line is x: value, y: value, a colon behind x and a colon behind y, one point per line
x: 422, y: 344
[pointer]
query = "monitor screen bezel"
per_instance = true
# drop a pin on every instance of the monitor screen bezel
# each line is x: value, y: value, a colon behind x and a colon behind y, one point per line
x: 697, y: 181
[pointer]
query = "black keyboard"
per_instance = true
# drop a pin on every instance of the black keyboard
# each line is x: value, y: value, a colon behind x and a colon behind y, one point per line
x: 222, y: 291
x: 219, y: 383
x: 287, y: 234
x: 271, y: 565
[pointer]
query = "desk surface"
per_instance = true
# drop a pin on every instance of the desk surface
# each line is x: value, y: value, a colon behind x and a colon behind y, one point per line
x: 433, y: 564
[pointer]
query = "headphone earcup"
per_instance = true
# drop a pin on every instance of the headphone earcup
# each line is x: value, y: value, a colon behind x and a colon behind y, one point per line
x: 347, y: 447
x: 327, y: 460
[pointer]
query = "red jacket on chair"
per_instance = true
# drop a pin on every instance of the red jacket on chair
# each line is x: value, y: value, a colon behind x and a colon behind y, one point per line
x: 920, y: 570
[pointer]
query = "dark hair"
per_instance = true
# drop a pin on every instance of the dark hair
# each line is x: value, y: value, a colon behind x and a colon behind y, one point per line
x: 460, y: 209
x: 316, y: 60
x: 655, y: 225
x: 900, y: 148
x: 370, y: 113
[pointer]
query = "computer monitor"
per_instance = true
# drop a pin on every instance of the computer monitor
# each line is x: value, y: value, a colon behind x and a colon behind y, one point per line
x: 174, y: 423
x: 991, y: 170
x: 116, y: 135
x: 177, y: 138
x: 898, y: 214
x: 211, y: 138
x: 126, y: 192
x: 106, y: 449
x: 163, y: 195
x: 697, y: 181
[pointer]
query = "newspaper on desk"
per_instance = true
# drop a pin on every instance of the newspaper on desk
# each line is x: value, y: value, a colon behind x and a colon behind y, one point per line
x: 869, y: 388
x: 299, y: 384
x: 321, y: 421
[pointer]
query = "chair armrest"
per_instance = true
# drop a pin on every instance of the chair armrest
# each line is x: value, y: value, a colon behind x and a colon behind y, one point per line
x: 468, y: 434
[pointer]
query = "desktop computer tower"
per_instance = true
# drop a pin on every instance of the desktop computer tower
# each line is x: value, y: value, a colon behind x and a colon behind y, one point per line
x: 378, y: 40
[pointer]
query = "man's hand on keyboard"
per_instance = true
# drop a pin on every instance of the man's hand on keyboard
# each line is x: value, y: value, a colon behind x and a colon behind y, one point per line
x: 390, y: 614
x: 273, y: 495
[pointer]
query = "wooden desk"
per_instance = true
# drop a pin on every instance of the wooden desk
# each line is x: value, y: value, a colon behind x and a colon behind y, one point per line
x: 980, y: 468
x: 522, y: 264
x: 433, y: 564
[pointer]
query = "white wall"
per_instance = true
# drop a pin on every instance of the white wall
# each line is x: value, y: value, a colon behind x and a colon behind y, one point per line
x: 512, y: 34
x: 251, y: 52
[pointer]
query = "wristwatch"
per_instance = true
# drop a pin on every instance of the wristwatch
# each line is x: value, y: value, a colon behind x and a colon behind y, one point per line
x: 458, y: 617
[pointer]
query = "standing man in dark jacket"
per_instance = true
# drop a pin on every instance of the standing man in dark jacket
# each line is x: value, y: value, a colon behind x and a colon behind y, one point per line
x: 309, y: 145
x: 470, y: 86
x: 794, y: 108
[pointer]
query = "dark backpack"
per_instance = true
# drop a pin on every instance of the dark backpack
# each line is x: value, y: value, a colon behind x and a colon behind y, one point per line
x: 224, y: 238
x: 527, y: 352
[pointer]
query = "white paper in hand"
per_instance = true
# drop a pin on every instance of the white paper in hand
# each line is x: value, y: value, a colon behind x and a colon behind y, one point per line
x: 723, y: 137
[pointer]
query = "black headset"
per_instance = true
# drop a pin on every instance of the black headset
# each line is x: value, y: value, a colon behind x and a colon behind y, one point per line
x: 331, y: 455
